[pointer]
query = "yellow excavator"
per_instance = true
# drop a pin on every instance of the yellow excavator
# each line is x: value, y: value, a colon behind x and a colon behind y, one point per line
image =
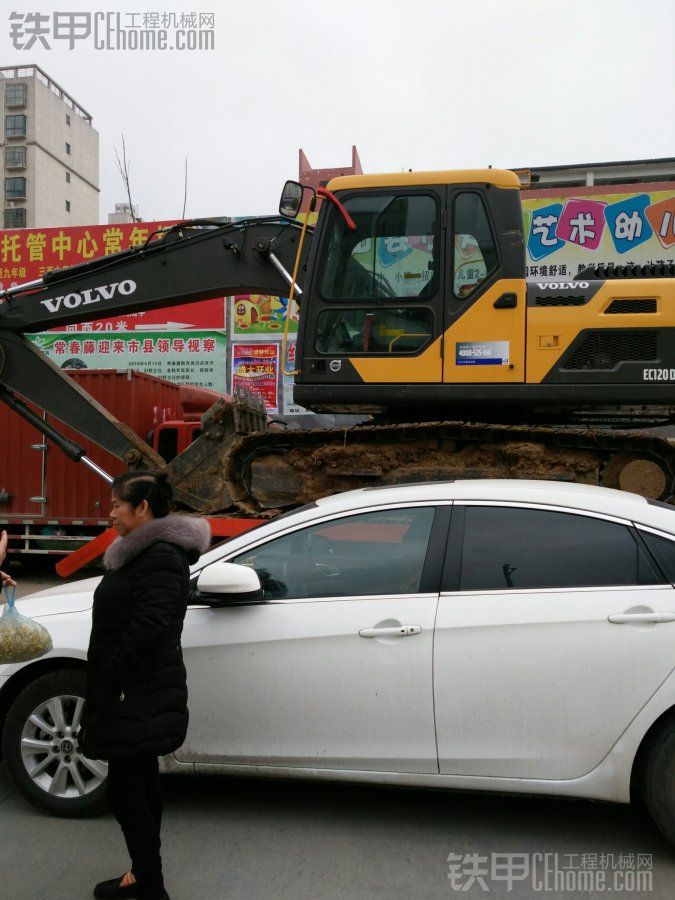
x: 415, y: 313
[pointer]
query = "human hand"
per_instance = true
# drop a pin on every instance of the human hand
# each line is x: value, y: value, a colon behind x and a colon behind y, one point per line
x: 3, y: 545
x: 7, y: 580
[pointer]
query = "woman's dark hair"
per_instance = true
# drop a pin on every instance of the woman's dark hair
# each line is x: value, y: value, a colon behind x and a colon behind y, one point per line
x: 135, y: 487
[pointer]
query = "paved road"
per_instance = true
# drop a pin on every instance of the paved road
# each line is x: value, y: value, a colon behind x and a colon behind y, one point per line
x: 248, y: 839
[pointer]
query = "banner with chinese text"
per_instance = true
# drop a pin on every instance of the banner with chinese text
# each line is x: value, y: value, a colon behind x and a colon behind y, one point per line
x: 566, y: 233
x: 198, y: 357
x: 27, y: 254
x: 256, y: 368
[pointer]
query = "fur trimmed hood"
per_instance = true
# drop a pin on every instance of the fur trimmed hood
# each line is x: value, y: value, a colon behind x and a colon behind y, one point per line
x: 189, y: 532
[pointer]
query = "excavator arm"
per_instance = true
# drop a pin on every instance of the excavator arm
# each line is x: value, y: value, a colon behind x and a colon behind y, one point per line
x: 189, y: 262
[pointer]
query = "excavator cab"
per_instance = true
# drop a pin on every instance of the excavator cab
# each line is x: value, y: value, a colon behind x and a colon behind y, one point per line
x: 415, y: 306
x: 429, y: 253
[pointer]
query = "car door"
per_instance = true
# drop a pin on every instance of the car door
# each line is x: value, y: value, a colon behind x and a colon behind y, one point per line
x: 548, y: 640
x: 334, y: 670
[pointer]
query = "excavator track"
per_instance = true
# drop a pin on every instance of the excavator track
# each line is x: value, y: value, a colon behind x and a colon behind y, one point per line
x: 274, y: 470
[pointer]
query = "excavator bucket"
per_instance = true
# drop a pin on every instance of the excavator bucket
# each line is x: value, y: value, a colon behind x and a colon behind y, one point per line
x: 198, y: 475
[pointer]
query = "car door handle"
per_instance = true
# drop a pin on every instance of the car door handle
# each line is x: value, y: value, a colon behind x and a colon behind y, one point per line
x: 395, y: 631
x: 638, y: 618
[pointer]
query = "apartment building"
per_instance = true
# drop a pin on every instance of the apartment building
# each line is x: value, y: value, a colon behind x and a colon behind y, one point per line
x: 50, y: 153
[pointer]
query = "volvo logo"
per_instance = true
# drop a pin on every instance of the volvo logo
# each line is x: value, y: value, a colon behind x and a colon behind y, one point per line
x: 91, y: 295
x: 563, y: 285
x: 335, y: 365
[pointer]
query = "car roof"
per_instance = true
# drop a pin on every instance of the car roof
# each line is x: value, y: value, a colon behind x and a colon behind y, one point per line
x: 591, y: 498
x: 566, y: 495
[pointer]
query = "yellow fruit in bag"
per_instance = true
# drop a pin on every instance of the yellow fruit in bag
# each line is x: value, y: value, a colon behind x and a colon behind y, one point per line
x: 21, y: 639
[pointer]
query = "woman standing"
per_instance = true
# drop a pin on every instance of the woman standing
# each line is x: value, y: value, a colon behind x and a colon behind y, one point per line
x: 136, y: 702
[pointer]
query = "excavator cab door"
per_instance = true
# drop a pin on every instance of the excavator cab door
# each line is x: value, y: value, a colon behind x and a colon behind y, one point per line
x: 484, y: 337
x: 376, y: 310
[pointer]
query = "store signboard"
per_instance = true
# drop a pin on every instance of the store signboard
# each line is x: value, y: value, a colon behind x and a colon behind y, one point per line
x: 28, y: 253
x: 567, y: 233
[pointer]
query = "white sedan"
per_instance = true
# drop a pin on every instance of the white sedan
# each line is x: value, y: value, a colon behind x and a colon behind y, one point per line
x: 493, y: 635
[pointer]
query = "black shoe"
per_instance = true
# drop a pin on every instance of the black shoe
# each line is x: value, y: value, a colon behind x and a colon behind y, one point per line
x: 108, y: 890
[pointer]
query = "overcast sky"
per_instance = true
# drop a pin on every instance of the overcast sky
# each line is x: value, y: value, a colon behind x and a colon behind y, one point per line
x: 421, y: 84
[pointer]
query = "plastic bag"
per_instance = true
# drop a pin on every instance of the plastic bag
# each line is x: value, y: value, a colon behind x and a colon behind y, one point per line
x: 21, y: 639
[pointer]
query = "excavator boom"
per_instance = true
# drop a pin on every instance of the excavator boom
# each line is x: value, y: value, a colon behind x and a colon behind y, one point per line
x: 186, y: 263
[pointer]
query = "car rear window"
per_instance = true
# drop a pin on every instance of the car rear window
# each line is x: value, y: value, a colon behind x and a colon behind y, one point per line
x: 664, y: 552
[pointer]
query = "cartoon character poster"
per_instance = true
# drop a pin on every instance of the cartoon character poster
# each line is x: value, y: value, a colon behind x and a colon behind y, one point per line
x: 262, y: 314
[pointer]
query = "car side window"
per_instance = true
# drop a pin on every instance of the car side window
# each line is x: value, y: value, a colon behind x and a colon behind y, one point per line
x: 507, y: 548
x: 664, y: 552
x: 379, y: 552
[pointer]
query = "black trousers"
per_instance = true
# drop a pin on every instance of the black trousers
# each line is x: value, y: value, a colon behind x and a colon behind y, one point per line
x: 135, y: 799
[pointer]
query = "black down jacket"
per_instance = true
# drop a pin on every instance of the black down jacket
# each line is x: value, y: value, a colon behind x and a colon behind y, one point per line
x: 136, y: 699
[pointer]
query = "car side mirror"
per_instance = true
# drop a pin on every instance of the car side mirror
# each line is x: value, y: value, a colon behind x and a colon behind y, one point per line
x: 228, y: 584
x: 291, y: 200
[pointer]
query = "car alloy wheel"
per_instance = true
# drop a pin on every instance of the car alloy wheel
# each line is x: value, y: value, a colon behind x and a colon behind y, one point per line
x: 50, y: 750
x: 40, y: 743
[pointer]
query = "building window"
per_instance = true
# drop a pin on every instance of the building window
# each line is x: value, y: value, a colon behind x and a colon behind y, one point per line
x: 68, y: 177
x: 67, y: 119
x: 67, y: 205
x: 15, y: 218
x: 67, y: 148
x: 15, y: 188
x: 15, y: 157
x: 15, y: 126
x: 16, y: 94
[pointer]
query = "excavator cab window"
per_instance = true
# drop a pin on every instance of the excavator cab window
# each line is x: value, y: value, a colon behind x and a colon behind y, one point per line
x: 379, y: 330
x: 390, y: 260
x: 393, y: 254
x: 475, y: 251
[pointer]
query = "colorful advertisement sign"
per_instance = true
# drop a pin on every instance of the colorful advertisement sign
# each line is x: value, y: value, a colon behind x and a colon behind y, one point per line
x: 197, y: 357
x: 255, y: 367
x: 566, y: 234
x: 262, y: 314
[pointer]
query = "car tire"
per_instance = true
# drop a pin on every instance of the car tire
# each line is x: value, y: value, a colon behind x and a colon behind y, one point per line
x: 41, y: 752
x: 658, y: 782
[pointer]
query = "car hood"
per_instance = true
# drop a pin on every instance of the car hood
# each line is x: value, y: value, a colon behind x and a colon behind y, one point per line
x: 64, y: 598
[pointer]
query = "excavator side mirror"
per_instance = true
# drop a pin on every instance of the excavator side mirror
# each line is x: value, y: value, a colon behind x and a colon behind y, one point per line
x: 291, y: 199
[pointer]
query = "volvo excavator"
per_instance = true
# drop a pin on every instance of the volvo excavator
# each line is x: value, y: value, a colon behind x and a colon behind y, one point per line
x: 414, y: 313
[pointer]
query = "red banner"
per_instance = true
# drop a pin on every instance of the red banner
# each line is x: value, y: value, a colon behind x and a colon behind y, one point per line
x: 27, y: 253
